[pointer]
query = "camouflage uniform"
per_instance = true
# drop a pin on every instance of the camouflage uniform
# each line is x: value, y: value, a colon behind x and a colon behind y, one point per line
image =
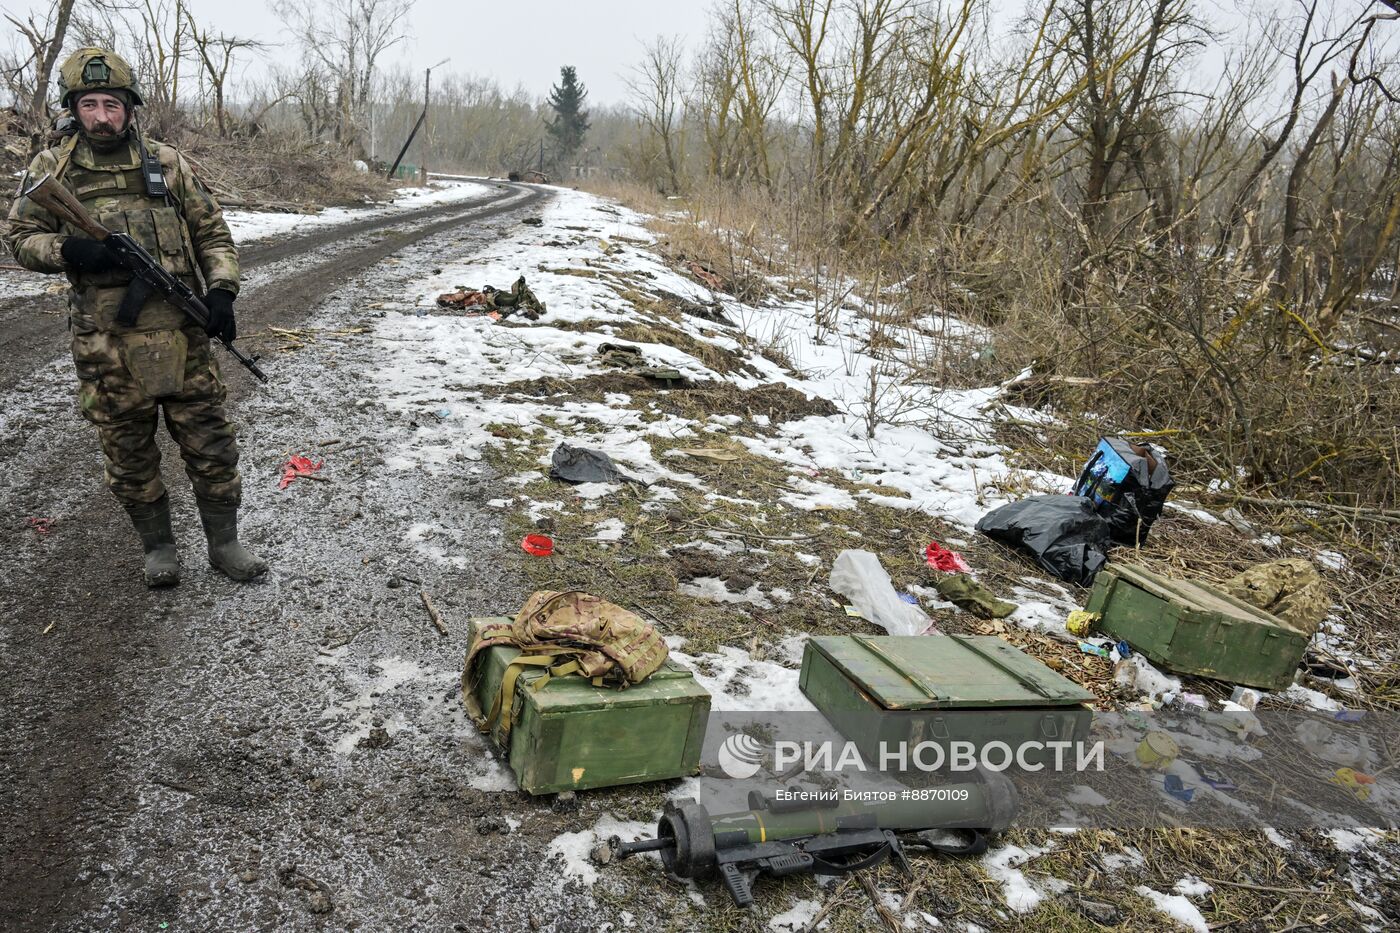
x: 128, y: 375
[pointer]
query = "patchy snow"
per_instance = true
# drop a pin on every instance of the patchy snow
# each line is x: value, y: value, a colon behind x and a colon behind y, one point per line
x: 737, y: 682
x: 249, y: 226
x: 1331, y: 560
x: 1085, y: 796
x: 1021, y: 894
x: 572, y: 852
x: 1177, y: 907
x: 717, y: 590
x: 611, y: 529
x: 1191, y: 886
x: 1348, y: 840
x: 796, y: 917
x: 1277, y: 838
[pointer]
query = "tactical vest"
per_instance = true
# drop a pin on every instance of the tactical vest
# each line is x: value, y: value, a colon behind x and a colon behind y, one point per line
x: 115, y: 195
x: 570, y: 633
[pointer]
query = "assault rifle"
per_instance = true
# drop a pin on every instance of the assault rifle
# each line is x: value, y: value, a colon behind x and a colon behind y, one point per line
x: 829, y: 836
x: 148, y: 275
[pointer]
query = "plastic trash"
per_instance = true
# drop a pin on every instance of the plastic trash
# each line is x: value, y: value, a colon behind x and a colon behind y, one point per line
x: 1063, y: 533
x: 538, y: 545
x: 1081, y: 623
x: 859, y: 576
x: 1246, y: 697
x: 1128, y: 484
x: 581, y: 465
x: 1173, y: 786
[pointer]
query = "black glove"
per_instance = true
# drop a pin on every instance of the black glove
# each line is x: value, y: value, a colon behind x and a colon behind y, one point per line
x: 87, y: 255
x: 221, y: 324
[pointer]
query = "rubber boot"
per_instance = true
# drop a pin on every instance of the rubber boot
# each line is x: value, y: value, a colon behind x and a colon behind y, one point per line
x: 225, y: 553
x: 152, y: 521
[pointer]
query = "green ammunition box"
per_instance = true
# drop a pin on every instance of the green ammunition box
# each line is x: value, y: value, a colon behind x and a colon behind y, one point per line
x: 885, y: 690
x: 571, y: 735
x: 1190, y: 628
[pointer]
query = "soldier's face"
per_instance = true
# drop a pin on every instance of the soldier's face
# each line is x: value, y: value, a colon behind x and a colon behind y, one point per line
x: 101, y: 114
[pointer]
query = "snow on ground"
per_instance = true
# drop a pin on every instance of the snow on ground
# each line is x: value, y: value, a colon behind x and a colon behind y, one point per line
x: 248, y: 226
x: 931, y: 449
x: 1176, y: 906
x: 1021, y: 894
x: 572, y: 852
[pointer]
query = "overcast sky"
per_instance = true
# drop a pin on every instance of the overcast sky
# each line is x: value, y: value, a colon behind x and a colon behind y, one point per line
x: 524, y: 43
x: 514, y: 42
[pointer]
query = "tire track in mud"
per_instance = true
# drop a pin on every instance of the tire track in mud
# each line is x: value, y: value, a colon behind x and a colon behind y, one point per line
x: 67, y: 697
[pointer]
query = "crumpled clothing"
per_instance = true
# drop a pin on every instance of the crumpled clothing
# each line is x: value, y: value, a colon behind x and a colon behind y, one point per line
x: 580, y: 465
x: 940, y: 558
x: 298, y: 466
x: 1289, y: 589
x: 966, y: 593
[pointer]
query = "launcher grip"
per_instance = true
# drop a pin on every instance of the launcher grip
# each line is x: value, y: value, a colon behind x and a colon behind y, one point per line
x: 60, y: 202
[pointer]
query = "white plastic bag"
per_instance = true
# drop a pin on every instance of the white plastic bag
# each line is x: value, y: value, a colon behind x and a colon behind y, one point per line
x: 859, y: 576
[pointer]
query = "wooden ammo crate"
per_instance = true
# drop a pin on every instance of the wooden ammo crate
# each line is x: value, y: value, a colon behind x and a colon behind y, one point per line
x: 940, y: 688
x: 571, y: 735
x: 1190, y: 628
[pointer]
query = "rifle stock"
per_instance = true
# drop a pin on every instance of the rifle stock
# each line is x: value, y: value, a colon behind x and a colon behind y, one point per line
x: 152, y: 276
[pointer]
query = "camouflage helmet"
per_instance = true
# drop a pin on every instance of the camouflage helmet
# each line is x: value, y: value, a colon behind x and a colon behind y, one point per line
x: 95, y: 69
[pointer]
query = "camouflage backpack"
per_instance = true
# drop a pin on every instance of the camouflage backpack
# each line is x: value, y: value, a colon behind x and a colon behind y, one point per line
x: 570, y: 633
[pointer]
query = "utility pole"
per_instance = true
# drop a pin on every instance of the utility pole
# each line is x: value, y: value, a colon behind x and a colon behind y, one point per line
x: 427, y: 77
x: 422, y: 119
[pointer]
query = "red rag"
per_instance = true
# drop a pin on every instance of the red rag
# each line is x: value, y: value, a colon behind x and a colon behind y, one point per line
x: 298, y: 466
x: 42, y: 525
x: 947, y: 561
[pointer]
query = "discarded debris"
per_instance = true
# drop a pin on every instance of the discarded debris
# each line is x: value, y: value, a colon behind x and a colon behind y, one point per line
x: 1063, y: 533
x: 496, y: 303
x: 939, y: 558
x: 1128, y: 484
x: 859, y: 576
x: 626, y: 356
x: 966, y: 593
x: 299, y: 466
x: 532, y: 221
x: 718, y: 454
x: 1173, y: 786
x: 571, y: 464
x: 1291, y: 590
x: 41, y: 526
x: 712, y: 281
x: 538, y: 545
x: 433, y: 615
x: 1190, y: 628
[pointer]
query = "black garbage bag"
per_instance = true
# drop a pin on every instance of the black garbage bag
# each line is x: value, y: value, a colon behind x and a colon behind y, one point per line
x: 1129, y: 484
x: 1064, y: 534
x: 581, y: 465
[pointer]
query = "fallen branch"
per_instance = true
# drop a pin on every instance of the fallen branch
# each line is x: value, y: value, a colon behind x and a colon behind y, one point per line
x: 432, y: 612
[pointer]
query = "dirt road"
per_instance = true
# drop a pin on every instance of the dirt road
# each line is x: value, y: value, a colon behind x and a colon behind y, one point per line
x: 289, y: 754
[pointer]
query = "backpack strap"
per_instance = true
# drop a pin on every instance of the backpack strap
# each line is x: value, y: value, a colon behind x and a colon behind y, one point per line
x: 65, y: 156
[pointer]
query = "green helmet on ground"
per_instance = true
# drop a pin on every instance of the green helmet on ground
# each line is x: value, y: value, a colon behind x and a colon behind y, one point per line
x: 95, y: 69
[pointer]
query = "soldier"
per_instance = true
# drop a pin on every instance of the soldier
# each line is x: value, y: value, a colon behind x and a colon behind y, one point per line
x: 135, y: 364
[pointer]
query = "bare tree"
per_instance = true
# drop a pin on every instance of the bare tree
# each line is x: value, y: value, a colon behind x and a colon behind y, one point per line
x: 657, y: 101
x: 216, y: 55
x: 346, y: 39
x: 45, y: 39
